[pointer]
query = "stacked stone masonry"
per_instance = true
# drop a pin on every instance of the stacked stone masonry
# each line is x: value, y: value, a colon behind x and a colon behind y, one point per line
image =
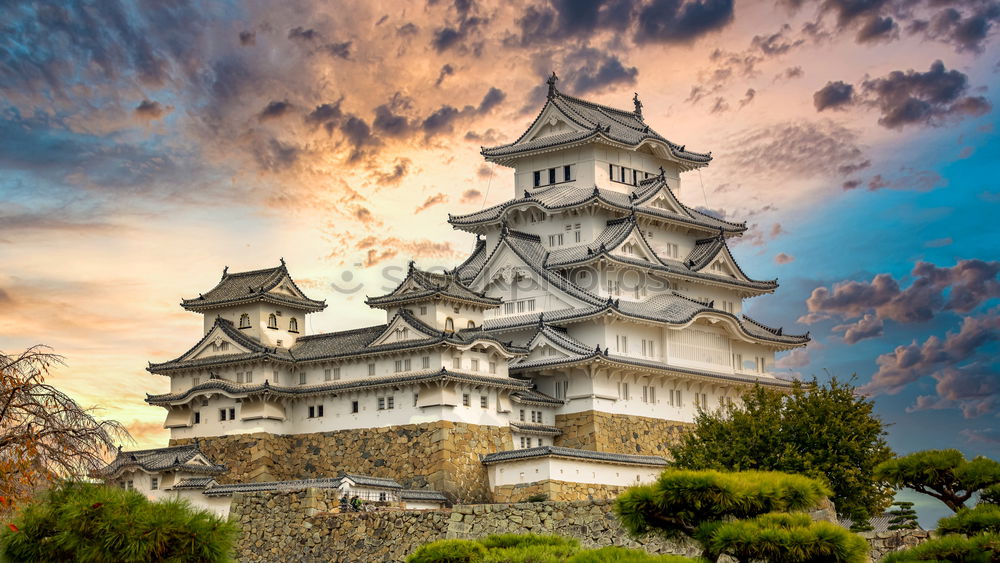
x: 440, y: 455
x: 303, y: 526
x: 555, y: 490
x: 617, y: 433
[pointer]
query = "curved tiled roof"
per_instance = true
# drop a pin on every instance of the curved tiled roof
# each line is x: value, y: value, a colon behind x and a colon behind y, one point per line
x: 535, y: 428
x: 266, y: 388
x: 422, y: 494
x: 194, y: 483
x: 673, y: 309
x: 433, y: 285
x: 255, y: 285
x: 298, y: 485
x: 613, y: 359
x: 532, y: 396
x: 335, y: 345
x: 565, y: 196
x: 557, y: 451
x: 159, y: 460
x: 595, y: 120
x: 256, y: 350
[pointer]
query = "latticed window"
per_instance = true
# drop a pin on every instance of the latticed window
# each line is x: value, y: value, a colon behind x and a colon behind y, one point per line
x: 272, y: 321
x: 245, y: 320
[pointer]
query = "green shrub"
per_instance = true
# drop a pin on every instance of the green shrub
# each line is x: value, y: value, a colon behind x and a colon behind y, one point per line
x: 528, y: 548
x: 781, y: 538
x: 89, y: 523
x: 449, y: 551
x: 623, y: 555
x: 953, y: 548
x: 523, y: 540
x: 537, y: 497
x: 972, y: 521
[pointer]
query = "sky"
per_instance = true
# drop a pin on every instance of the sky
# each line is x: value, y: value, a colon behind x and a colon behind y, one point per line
x: 146, y: 145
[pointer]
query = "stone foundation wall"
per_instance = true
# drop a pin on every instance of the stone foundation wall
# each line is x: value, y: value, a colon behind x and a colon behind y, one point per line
x: 441, y: 455
x: 556, y: 490
x: 292, y: 526
x: 618, y: 433
x: 884, y: 543
x: 301, y: 526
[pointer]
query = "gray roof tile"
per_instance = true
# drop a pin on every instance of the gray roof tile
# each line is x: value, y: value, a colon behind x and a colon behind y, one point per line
x: 160, y: 459
x: 621, y: 126
x: 433, y: 285
x: 255, y: 285
x: 545, y: 451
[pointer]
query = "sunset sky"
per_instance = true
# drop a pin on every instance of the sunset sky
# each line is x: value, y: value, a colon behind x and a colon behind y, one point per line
x: 144, y: 146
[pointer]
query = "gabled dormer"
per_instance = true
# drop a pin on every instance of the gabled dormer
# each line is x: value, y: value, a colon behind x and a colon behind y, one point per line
x: 712, y: 256
x: 265, y: 305
x: 441, y: 300
x: 588, y: 144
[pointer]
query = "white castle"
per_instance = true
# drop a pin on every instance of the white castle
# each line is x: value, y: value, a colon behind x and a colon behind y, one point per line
x: 595, y: 316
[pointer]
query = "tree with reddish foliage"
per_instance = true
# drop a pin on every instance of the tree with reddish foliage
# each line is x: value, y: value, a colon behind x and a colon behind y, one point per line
x: 44, y: 434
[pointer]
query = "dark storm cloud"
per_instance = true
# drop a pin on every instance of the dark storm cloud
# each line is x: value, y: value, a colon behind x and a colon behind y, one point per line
x: 877, y: 29
x: 599, y: 71
x: 390, y: 123
x: 274, y: 109
x: 459, y: 29
x: 440, y: 121
x: 326, y: 115
x: 560, y: 20
x: 674, y: 21
x: 493, y: 98
x: 967, y: 32
x: 446, y: 70
x: 923, y: 98
x: 302, y: 34
x: 935, y: 356
x: 848, y: 11
x: 338, y: 50
x: 148, y: 109
x: 960, y: 288
x: 835, y: 95
x: 359, y: 135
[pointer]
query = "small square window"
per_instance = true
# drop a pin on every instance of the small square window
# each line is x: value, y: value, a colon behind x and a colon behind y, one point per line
x: 493, y: 367
x: 537, y: 179
x: 390, y: 402
x: 484, y: 402
x: 327, y: 374
x: 222, y: 414
x: 249, y: 377
x: 232, y: 413
x: 381, y: 403
x: 567, y: 173
x: 425, y: 362
x: 197, y: 417
x: 319, y: 410
x: 354, y: 406
x: 423, y: 309
x: 302, y: 378
x: 552, y: 175
x: 371, y: 369
x: 475, y: 365
x: 154, y: 483
x: 336, y: 373
x: 466, y: 401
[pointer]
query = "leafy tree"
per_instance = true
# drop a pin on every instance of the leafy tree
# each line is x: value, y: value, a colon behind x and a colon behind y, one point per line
x: 823, y: 430
x: 89, y: 523
x: 527, y: 548
x: 903, y: 517
x: 44, y: 434
x: 739, y: 514
x: 983, y: 548
x: 943, y: 474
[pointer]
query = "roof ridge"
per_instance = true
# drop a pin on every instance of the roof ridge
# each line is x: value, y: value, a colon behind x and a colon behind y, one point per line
x: 341, y: 332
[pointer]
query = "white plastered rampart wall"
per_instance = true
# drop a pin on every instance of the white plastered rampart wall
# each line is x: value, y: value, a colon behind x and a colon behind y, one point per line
x: 532, y: 470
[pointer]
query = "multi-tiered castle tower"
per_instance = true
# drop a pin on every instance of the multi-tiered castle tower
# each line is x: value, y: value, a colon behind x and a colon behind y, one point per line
x: 595, y: 316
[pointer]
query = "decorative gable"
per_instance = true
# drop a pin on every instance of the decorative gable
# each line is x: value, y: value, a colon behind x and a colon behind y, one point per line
x: 401, y: 330
x: 215, y: 343
x: 286, y: 288
x: 551, y: 122
x: 636, y: 248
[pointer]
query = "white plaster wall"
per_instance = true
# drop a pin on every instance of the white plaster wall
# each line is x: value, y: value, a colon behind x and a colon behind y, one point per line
x: 572, y: 470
